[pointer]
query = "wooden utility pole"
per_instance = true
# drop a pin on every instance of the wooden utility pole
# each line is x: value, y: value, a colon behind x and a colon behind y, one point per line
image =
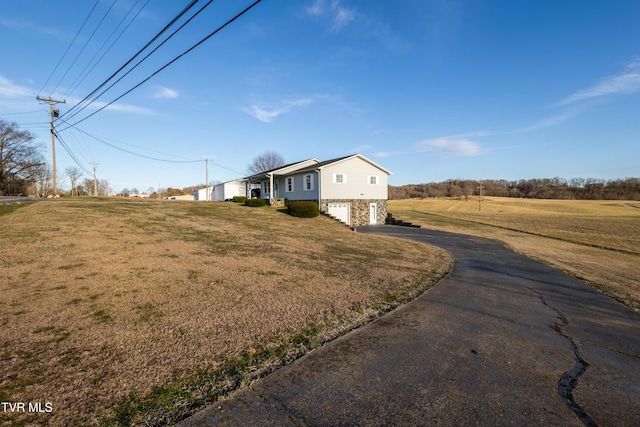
x: 480, y: 198
x: 53, y: 114
x: 95, y: 180
x: 206, y: 184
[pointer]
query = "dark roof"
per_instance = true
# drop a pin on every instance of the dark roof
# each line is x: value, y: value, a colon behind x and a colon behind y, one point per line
x: 319, y: 165
x: 313, y: 167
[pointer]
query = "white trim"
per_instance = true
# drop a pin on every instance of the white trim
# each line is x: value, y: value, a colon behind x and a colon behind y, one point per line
x: 373, y: 208
x: 331, y: 208
x: 343, y: 176
x: 360, y: 156
x: 310, y: 182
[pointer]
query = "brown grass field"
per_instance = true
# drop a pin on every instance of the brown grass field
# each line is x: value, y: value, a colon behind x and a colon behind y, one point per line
x: 119, y: 311
x: 595, y: 241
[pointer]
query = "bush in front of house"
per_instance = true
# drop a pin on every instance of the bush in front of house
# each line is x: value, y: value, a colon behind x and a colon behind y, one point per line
x: 303, y: 209
x: 239, y: 199
x: 255, y: 203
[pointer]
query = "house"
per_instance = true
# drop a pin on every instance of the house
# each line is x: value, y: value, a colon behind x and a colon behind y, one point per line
x: 228, y: 190
x: 221, y: 192
x: 181, y: 197
x: 353, y: 189
x: 201, y: 194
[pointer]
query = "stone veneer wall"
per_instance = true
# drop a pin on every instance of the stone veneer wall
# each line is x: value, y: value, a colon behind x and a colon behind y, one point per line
x: 359, y: 209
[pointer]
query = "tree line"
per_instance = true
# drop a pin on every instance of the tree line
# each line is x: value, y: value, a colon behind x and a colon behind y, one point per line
x: 545, y: 188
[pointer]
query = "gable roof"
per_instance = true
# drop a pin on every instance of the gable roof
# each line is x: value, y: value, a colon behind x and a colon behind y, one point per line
x: 322, y: 165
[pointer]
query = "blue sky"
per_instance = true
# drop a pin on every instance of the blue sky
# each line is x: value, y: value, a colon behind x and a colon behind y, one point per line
x: 431, y: 90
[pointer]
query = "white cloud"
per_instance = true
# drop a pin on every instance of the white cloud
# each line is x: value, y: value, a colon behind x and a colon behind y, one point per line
x: 338, y: 15
x: 165, y: 92
x: 450, y: 146
x: 382, y: 154
x: 123, y: 108
x: 9, y: 89
x: 317, y: 8
x: 262, y: 114
x: 269, y: 113
x: 128, y: 108
x: 564, y: 115
x: 628, y: 81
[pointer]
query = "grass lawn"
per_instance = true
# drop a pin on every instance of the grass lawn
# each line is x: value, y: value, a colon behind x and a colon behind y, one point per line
x: 596, y: 241
x: 118, y: 311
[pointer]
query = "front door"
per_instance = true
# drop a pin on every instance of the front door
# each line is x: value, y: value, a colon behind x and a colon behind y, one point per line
x: 373, y: 213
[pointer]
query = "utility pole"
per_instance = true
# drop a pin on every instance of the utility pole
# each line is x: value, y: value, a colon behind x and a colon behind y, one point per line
x: 480, y: 199
x: 53, y: 114
x: 95, y: 180
x: 206, y: 185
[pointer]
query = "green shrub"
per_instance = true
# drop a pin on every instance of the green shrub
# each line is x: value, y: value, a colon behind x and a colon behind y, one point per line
x: 239, y: 199
x: 303, y: 209
x: 389, y: 215
x: 255, y: 203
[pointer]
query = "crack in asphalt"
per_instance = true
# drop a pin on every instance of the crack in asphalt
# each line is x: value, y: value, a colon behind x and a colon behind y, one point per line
x: 277, y: 407
x: 569, y: 380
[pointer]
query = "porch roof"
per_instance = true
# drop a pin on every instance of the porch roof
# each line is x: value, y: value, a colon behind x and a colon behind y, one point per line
x: 282, y: 170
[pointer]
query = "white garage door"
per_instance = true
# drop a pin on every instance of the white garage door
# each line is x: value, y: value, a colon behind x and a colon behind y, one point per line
x: 341, y: 211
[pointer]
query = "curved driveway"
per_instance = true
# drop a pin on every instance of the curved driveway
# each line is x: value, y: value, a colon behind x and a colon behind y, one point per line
x: 502, y: 340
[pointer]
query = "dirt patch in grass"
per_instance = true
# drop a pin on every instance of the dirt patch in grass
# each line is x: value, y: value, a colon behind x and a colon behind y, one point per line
x: 595, y: 241
x: 118, y: 311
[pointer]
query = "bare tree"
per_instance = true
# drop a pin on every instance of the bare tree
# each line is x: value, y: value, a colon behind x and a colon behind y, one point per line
x: 20, y: 156
x: 266, y: 161
x: 104, y: 189
x: 74, y: 173
x: 87, y: 186
x: 43, y: 180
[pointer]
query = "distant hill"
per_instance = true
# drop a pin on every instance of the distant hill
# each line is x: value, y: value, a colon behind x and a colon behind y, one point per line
x: 546, y: 188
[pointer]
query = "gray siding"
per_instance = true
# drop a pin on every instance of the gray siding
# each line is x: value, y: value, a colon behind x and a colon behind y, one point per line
x: 299, y: 192
x: 357, y: 186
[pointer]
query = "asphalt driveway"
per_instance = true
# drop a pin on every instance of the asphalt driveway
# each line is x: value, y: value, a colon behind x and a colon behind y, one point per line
x: 502, y: 340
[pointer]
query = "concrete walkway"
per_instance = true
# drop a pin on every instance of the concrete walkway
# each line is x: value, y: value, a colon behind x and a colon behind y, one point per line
x: 502, y: 340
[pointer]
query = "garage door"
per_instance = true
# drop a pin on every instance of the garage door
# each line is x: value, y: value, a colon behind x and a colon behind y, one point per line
x: 341, y: 211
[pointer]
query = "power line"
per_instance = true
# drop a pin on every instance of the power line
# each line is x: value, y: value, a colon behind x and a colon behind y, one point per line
x: 102, y: 141
x: 166, y: 27
x: 76, y: 83
x: 85, y: 45
x: 23, y: 112
x: 80, y: 147
x: 173, y: 60
x: 70, y: 153
x: 136, y: 65
x: 69, y: 47
x: 134, y: 153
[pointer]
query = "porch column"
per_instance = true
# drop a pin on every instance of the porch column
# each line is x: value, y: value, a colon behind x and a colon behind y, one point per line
x: 271, y: 189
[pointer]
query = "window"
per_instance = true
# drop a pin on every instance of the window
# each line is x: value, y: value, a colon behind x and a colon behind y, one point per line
x: 339, y: 178
x: 308, y: 182
x: 373, y: 180
x: 267, y: 187
x: 289, y: 184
